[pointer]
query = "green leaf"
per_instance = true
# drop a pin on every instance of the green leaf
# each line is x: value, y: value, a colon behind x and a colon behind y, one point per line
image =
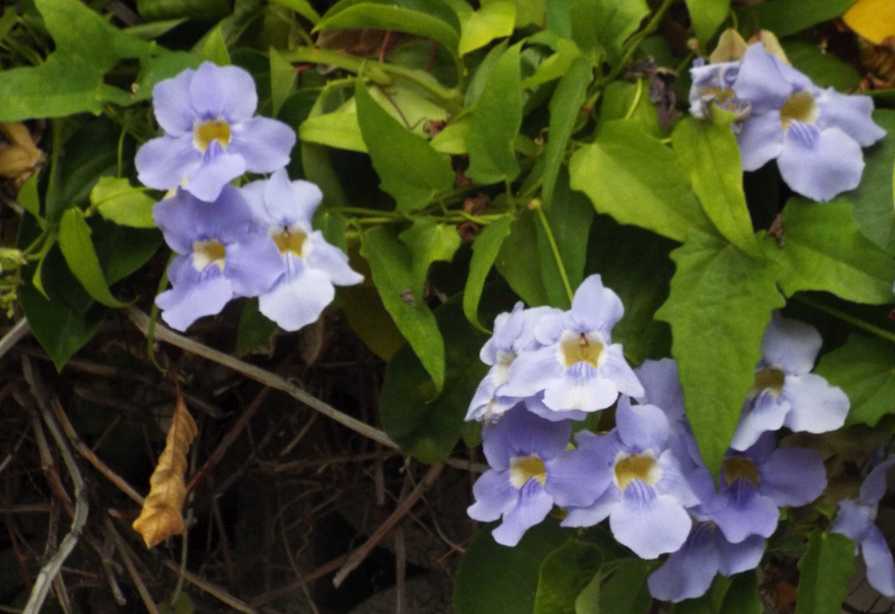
x: 484, y: 252
x: 29, y: 198
x: 824, y: 572
x: 120, y: 202
x: 625, y: 590
x: 122, y: 251
x: 392, y: 270
x: 337, y: 129
x: 824, y: 250
x: 626, y: 100
x: 721, y: 301
x: 742, y: 597
x: 213, y: 47
x: 825, y: 69
x: 495, y: 19
x: 608, y: 23
x: 706, y: 16
x: 588, y: 600
x: 452, y: 139
x: 302, y: 7
x: 493, y: 578
x: 164, y: 9
x: 564, y: 574
x: 874, y: 200
x: 556, y: 65
x: 429, y: 242
x: 496, y: 120
x: 711, y: 155
x: 370, y: 15
x: 426, y: 428
x: 80, y: 255
x: 565, y: 106
x: 282, y: 79
x: 637, y: 180
x: 570, y: 218
x: 60, y: 330
x: 151, y: 30
x: 515, y: 261
x: 409, y: 169
x: 865, y: 370
x: 785, y: 17
x: 254, y: 334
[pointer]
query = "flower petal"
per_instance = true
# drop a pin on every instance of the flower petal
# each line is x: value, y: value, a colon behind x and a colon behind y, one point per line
x: 874, y: 486
x: 223, y: 92
x: 171, y: 104
x: 878, y: 557
x: 817, y: 406
x: 532, y: 372
x: 689, y: 572
x: 494, y: 496
x: 534, y: 505
x: 790, y: 345
x: 793, y: 476
x: 593, y: 514
x: 760, y: 140
x: 766, y: 413
x: 298, y: 299
x: 192, y: 296
x: 264, y: 143
x: 215, y: 172
x: 823, y: 166
x: 332, y: 261
x: 853, y: 520
x: 760, y: 80
x: 253, y: 265
x: 587, y: 394
x: 521, y: 433
x: 615, y: 368
x: 738, y: 518
x: 579, y: 477
x: 596, y: 307
x: 650, y: 527
x: 643, y: 427
x: 851, y: 114
x: 162, y: 163
x: 737, y: 558
x: 662, y: 386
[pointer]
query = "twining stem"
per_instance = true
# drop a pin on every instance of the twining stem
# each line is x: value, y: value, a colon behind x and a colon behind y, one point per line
x: 555, y: 249
x: 845, y: 317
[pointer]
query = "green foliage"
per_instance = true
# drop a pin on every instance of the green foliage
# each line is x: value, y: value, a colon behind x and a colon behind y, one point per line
x: 706, y: 17
x: 606, y: 24
x: 784, y: 17
x: 721, y: 301
x: 80, y: 255
x: 824, y: 573
x: 742, y: 595
x: 118, y: 201
x: 484, y: 252
x: 874, y: 200
x: 863, y: 369
x: 494, y: 578
x: 495, y: 19
x: 565, y: 572
x: 428, y: 243
x: 825, y: 70
x: 61, y: 330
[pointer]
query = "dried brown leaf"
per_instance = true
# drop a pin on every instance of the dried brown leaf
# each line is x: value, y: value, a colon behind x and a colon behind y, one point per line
x: 162, y: 513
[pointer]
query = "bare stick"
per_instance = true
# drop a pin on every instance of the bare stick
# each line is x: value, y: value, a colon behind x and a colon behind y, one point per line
x: 52, y: 567
x: 15, y: 334
x: 357, y: 557
x: 212, y: 589
x: 127, y: 556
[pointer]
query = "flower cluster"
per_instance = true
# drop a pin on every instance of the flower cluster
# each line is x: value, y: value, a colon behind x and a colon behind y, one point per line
x: 815, y: 134
x: 253, y: 241
x: 551, y: 368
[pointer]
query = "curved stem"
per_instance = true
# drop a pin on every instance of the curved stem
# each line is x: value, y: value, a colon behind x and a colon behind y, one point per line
x: 846, y: 317
x: 555, y: 249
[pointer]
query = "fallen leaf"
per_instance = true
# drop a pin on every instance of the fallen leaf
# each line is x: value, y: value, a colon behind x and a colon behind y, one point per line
x: 19, y: 156
x: 162, y: 513
x: 873, y: 20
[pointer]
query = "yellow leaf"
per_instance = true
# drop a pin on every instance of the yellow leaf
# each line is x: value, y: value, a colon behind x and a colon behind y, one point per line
x: 161, y: 516
x: 872, y: 19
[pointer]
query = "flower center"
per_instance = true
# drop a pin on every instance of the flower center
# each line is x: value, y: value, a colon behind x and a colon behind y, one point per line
x: 580, y: 348
x: 214, y: 130
x: 525, y: 468
x: 769, y: 379
x: 290, y: 241
x: 209, y: 252
x: 740, y: 468
x: 638, y: 467
x: 799, y: 107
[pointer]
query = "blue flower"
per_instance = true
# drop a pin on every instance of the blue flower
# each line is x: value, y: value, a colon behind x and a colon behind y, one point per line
x: 531, y: 470
x: 815, y: 134
x: 755, y: 484
x: 513, y: 335
x: 713, y: 85
x: 578, y: 368
x: 646, y: 493
x: 310, y: 266
x: 221, y: 255
x: 857, y: 521
x: 688, y: 573
x: 211, y: 135
x: 785, y: 392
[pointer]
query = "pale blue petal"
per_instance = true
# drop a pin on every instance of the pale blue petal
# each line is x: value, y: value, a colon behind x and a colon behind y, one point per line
x: 216, y: 171
x: 596, y: 307
x: 615, y: 368
x: 649, y: 525
x: 532, y: 372
x: 878, y: 559
x: 253, y: 265
x: 854, y: 520
x: 587, y: 394
x: 536, y: 406
x: 223, y: 92
x: 689, y: 572
x: 874, y: 486
x: 578, y: 477
x: 164, y: 162
x: 761, y: 81
x: 171, y: 104
x: 737, y: 558
x: 662, y: 386
x: 816, y: 406
x: 264, y: 143
x: 193, y: 297
x: 851, y: 114
x: 766, y: 413
x: 298, y: 300
x: 739, y: 516
x: 593, y: 514
x: 793, y: 476
x: 330, y: 260
x: 494, y: 496
x: 790, y: 345
x: 760, y: 139
x: 642, y: 427
x: 534, y: 505
x: 820, y: 166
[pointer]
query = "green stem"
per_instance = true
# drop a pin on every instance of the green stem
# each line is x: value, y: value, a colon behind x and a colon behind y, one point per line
x: 555, y: 249
x: 846, y: 317
x: 638, y: 94
x: 638, y: 38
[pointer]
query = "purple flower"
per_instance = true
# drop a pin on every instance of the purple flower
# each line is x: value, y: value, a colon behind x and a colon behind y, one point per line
x: 688, y: 573
x: 513, y: 335
x: 531, y: 470
x: 578, y: 369
x: 786, y: 393
x: 815, y: 135
x: 756, y: 483
x: 310, y: 266
x: 211, y: 135
x: 857, y: 521
x: 221, y: 255
x: 713, y: 85
x: 646, y: 493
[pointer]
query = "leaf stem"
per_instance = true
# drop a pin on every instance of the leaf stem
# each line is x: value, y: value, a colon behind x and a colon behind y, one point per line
x: 555, y: 249
x: 845, y: 317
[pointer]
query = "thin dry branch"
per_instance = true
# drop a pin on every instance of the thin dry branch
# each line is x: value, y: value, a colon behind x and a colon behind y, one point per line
x: 13, y: 336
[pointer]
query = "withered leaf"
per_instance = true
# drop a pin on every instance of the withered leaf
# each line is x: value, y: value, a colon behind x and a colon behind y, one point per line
x: 162, y: 513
